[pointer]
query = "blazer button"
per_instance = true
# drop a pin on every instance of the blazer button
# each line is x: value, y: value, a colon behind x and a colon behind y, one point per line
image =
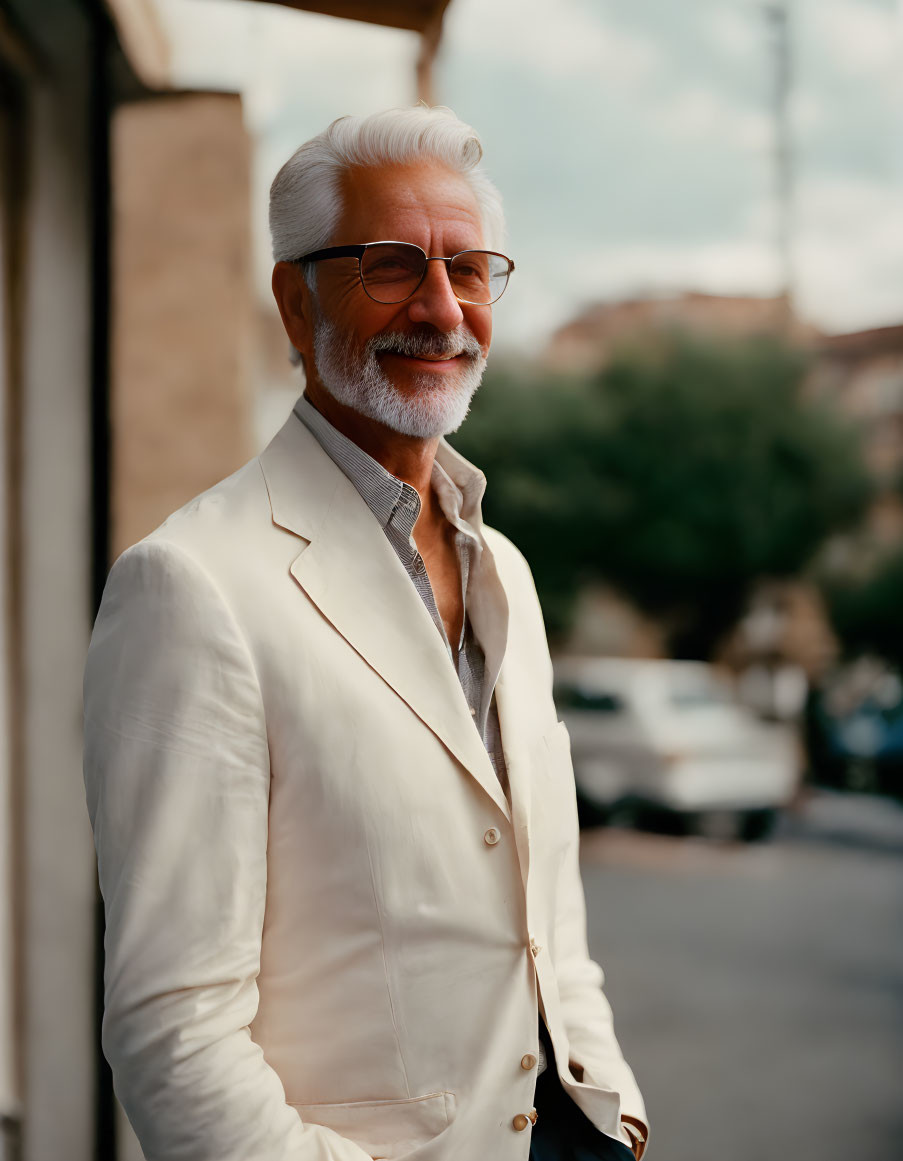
x: 527, y: 1062
x: 520, y: 1122
x: 491, y: 837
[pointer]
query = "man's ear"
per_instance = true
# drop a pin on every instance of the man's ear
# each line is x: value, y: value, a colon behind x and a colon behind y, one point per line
x: 293, y: 298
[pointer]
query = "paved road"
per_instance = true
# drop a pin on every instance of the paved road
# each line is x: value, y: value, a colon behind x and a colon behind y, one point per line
x: 758, y: 991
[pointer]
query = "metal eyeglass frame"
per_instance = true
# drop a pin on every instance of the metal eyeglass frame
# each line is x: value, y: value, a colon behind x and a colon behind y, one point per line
x: 358, y: 253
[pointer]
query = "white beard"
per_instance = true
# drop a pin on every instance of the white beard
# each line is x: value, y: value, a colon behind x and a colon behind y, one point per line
x: 352, y: 376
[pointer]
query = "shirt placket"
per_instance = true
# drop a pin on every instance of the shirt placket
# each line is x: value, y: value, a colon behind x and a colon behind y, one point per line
x: 401, y: 523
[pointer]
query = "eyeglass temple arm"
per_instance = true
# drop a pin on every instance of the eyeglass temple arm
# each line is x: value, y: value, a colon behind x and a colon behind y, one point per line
x: 333, y: 252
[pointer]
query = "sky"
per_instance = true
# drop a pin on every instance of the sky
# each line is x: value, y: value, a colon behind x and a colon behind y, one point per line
x: 632, y: 140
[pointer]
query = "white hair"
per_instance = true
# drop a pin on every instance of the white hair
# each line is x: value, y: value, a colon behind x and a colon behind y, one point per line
x: 305, y: 197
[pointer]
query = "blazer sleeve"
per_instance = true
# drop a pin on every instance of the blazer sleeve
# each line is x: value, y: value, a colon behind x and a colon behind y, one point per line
x: 177, y: 781
x: 585, y: 1009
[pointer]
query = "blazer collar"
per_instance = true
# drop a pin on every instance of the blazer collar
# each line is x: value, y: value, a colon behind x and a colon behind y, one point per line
x: 349, y: 570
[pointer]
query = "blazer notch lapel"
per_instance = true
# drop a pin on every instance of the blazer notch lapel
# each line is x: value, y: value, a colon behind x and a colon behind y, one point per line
x: 387, y: 624
x: 350, y: 571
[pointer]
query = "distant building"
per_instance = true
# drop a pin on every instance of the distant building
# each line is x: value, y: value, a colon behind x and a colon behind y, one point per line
x: 588, y: 341
x: 862, y: 374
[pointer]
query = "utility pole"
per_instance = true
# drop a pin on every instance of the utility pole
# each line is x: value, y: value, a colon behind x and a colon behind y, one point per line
x: 778, y: 17
x: 430, y: 36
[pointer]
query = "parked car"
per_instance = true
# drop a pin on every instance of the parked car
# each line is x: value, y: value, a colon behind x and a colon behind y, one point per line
x: 854, y: 730
x: 667, y: 740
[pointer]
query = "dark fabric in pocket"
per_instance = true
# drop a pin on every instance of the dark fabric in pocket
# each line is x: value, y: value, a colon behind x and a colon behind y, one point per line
x: 562, y: 1131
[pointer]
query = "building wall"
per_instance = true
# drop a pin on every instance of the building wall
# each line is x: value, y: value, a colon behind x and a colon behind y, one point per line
x: 182, y: 308
x: 10, y: 146
x: 56, y: 887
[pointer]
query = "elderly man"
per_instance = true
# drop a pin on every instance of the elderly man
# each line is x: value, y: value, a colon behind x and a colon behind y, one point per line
x: 333, y: 806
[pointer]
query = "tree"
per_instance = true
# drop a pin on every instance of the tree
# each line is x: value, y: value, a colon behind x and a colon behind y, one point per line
x: 681, y: 474
x: 866, y: 609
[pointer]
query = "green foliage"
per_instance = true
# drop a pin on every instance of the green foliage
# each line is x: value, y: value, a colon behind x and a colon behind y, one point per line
x: 867, y: 611
x: 680, y: 474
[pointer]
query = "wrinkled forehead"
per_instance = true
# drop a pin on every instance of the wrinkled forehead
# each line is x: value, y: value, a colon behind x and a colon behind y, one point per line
x: 424, y: 202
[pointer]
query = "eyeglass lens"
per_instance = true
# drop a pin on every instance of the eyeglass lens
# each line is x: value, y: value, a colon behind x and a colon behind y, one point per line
x: 392, y: 271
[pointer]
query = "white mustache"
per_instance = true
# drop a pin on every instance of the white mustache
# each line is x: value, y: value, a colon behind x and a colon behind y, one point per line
x: 426, y: 344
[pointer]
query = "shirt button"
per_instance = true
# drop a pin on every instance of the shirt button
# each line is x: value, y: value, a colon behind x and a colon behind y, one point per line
x: 491, y: 837
x: 534, y: 948
x: 473, y: 711
x: 527, y: 1062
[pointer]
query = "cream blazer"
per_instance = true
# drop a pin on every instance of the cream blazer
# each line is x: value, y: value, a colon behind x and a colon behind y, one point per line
x: 328, y: 933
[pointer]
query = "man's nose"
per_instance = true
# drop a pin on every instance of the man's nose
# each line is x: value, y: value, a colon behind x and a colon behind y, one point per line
x: 434, y: 301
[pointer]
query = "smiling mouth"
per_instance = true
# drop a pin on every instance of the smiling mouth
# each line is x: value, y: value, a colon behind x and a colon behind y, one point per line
x: 425, y: 358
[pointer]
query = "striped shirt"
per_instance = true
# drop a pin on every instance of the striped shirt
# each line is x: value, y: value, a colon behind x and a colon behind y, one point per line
x: 396, y: 506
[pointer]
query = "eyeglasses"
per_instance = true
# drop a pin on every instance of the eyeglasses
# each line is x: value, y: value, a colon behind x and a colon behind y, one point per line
x: 391, y: 272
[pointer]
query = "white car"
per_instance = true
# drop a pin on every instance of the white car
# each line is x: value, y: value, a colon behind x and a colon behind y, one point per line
x: 668, y: 737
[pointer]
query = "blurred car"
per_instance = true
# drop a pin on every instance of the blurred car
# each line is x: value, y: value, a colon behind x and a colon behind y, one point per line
x: 667, y: 740
x: 854, y: 731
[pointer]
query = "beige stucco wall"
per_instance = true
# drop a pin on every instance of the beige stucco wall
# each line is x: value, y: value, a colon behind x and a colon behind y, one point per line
x: 181, y: 406
x: 9, y: 1073
x: 56, y: 891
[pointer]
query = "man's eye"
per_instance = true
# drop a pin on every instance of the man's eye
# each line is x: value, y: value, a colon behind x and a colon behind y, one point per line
x: 470, y: 271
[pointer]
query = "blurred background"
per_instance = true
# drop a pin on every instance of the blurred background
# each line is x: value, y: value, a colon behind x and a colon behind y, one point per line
x: 692, y: 425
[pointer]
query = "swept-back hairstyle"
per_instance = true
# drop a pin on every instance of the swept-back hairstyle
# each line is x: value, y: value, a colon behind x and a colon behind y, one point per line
x: 305, y: 197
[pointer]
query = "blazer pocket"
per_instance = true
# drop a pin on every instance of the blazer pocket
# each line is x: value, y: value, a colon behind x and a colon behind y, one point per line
x: 386, y: 1129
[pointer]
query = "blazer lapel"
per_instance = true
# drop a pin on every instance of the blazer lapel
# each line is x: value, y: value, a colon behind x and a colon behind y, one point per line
x: 349, y: 570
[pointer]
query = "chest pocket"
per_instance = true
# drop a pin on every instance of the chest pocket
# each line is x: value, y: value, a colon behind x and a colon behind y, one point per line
x: 553, y: 808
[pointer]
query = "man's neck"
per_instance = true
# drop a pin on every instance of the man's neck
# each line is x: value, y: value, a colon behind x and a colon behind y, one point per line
x: 407, y: 458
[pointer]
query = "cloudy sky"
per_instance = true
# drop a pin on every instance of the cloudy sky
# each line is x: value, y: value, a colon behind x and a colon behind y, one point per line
x: 631, y: 139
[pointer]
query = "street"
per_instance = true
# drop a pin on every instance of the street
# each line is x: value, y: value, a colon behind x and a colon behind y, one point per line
x: 758, y: 990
